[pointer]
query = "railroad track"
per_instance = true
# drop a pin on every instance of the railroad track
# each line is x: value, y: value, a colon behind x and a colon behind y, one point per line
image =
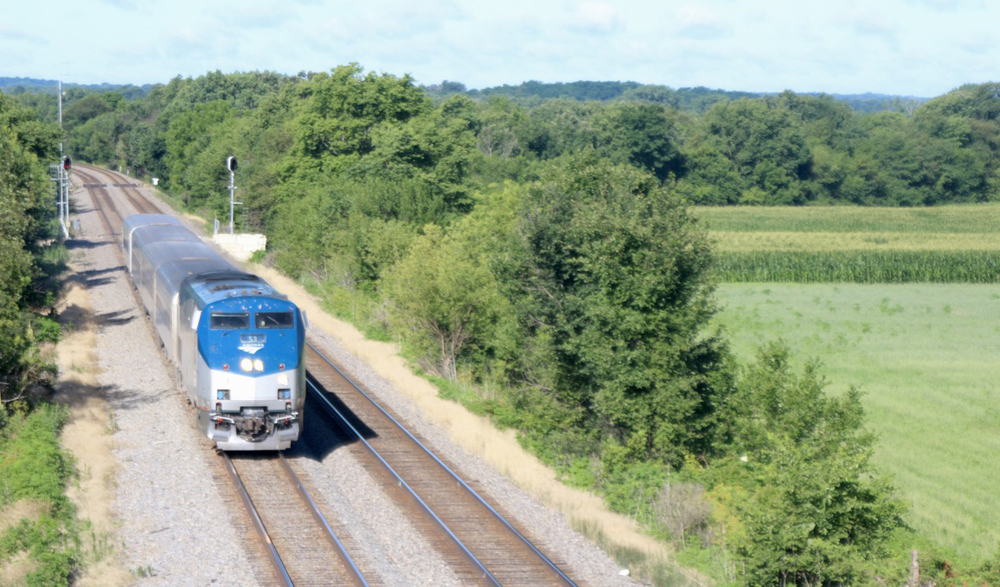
x: 471, y: 534
x: 302, y: 547
x: 100, y: 180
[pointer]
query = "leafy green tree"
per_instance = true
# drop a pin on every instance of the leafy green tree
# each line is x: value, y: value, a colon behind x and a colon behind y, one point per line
x: 189, y: 135
x: 815, y: 512
x: 824, y: 119
x: 499, y: 128
x: 763, y: 148
x: 432, y: 152
x: 922, y: 161
x: 45, y: 105
x: 243, y: 91
x: 653, y: 93
x: 643, y: 135
x: 615, y: 280
x: 975, y: 101
x: 341, y: 109
x: 560, y: 127
x: 304, y: 235
x: 25, y: 219
x: 443, y: 299
x: 89, y: 107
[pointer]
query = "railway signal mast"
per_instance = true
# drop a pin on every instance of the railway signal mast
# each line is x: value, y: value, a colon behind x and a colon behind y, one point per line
x: 63, y: 178
x: 231, y: 166
x: 67, y: 163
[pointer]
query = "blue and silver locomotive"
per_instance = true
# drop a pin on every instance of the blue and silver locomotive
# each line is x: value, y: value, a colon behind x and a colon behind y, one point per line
x: 237, y: 342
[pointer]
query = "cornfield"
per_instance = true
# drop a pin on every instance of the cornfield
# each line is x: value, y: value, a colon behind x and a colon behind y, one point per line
x: 950, y: 244
x: 859, y: 266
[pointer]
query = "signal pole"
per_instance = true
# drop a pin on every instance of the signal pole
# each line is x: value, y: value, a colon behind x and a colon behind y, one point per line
x: 64, y: 166
x: 231, y: 166
x: 67, y: 163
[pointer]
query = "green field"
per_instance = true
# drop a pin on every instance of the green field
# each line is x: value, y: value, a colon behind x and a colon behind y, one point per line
x: 926, y: 357
x: 925, y: 354
x: 956, y: 219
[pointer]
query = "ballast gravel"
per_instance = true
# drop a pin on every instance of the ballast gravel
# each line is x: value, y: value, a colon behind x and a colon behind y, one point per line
x: 176, y: 523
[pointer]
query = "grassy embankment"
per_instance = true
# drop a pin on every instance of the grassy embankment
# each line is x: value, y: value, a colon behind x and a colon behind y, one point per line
x: 924, y: 352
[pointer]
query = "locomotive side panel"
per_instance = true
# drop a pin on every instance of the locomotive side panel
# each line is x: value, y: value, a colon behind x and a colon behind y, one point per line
x: 187, y: 341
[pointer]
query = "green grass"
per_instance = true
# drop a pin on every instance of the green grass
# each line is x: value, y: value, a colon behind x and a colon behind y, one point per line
x: 926, y: 355
x: 34, y: 467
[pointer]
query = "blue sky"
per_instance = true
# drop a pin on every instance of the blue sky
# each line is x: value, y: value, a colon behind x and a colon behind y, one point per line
x: 903, y: 47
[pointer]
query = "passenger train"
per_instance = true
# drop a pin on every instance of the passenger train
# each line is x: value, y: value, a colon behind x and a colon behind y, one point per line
x: 237, y: 342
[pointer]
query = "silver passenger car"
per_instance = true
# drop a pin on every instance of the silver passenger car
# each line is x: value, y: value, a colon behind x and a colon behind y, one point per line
x: 237, y: 343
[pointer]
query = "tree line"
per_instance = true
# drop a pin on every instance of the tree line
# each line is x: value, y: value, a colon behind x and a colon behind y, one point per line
x: 34, y: 468
x: 537, y: 260
x: 27, y: 264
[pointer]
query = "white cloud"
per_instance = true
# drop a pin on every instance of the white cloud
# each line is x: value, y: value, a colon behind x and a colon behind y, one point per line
x: 949, y: 5
x: 595, y: 17
x: 700, y: 22
x: 871, y: 23
x: 980, y: 44
x: 915, y: 47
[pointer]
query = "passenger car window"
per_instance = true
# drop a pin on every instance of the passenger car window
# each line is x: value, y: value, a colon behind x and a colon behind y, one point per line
x: 229, y: 321
x: 274, y: 320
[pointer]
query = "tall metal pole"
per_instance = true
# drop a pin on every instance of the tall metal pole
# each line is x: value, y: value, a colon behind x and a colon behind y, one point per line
x: 232, y: 188
x: 231, y: 166
x: 66, y: 206
x: 63, y: 176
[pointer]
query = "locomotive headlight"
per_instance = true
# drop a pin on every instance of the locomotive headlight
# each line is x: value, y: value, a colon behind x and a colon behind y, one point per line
x: 258, y: 365
x: 283, y: 379
x: 246, y: 364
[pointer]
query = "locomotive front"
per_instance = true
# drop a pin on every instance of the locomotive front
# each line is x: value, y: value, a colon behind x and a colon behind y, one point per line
x: 251, y: 392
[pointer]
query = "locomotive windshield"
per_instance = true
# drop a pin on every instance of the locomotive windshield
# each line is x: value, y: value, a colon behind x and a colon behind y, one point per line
x: 274, y: 320
x: 230, y: 321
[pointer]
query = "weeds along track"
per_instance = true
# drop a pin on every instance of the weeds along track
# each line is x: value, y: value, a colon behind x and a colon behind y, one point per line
x: 471, y: 534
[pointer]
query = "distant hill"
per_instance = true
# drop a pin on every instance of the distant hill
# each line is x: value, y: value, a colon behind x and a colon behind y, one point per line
x: 581, y: 90
x: 29, y: 84
x: 869, y: 102
x: 15, y: 85
x: 697, y: 98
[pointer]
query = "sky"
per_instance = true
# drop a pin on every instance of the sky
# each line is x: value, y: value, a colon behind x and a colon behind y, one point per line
x: 922, y: 48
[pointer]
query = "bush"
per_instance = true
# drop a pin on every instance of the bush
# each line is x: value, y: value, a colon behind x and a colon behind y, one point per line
x: 682, y: 509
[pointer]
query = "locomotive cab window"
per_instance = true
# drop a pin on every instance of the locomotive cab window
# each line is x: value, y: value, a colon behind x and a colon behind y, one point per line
x: 274, y: 320
x: 230, y: 321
